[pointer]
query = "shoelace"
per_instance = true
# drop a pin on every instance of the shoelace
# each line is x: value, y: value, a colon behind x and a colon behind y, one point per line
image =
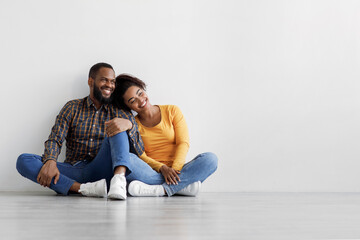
x: 118, y: 183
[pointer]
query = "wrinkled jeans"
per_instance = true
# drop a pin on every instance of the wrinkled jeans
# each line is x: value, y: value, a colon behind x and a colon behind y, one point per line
x: 114, y: 151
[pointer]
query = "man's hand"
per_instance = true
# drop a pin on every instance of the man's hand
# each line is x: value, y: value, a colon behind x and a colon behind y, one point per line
x: 117, y: 125
x: 171, y: 175
x: 47, y: 172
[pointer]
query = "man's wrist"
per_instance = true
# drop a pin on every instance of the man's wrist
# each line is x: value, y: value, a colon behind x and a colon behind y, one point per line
x: 50, y: 159
x: 130, y: 125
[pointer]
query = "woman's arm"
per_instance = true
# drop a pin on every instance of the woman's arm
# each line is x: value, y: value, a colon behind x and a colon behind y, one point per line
x: 181, y: 138
x: 152, y: 163
x: 170, y: 175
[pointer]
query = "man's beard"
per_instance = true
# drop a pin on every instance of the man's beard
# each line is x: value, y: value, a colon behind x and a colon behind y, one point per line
x: 98, y: 96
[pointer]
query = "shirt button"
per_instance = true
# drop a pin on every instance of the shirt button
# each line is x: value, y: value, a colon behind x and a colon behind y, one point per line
x: 91, y: 139
x: 96, y: 112
x: 94, y: 125
x: 89, y: 153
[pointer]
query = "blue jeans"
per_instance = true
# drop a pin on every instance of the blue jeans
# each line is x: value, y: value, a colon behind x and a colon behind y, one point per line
x: 114, y: 152
x: 198, y: 169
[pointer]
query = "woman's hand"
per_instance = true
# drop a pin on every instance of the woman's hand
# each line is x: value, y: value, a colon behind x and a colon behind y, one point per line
x: 171, y: 175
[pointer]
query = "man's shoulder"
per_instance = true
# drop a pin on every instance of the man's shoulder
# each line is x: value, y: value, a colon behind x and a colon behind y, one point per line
x: 73, y: 106
x: 76, y: 102
x: 118, y: 112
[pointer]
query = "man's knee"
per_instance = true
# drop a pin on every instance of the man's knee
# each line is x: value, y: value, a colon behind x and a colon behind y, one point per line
x: 23, y: 162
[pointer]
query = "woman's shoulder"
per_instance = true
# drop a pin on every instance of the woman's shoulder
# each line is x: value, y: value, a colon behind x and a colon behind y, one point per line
x: 170, y: 109
x: 171, y: 112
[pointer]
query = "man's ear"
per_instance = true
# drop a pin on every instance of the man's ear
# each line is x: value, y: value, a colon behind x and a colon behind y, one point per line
x: 90, y: 82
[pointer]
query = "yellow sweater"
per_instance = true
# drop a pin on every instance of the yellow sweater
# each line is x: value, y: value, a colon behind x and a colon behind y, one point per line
x: 168, y: 142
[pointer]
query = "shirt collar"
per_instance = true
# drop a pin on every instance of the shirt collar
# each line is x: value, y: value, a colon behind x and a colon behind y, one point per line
x: 90, y: 103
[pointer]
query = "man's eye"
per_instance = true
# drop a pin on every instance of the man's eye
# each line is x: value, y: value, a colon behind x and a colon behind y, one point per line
x: 141, y: 93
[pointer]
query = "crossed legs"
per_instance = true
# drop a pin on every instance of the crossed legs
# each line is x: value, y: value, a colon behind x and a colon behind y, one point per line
x: 112, y: 158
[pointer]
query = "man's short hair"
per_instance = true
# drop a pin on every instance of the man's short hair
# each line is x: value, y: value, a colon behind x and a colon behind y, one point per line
x: 94, y: 69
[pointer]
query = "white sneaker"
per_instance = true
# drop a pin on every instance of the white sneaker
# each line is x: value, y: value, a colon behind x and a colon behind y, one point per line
x: 94, y: 189
x: 140, y: 189
x: 117, y: 187
x: 191, y: 190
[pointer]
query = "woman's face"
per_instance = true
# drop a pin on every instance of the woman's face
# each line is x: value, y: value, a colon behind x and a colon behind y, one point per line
x: 136, y: 99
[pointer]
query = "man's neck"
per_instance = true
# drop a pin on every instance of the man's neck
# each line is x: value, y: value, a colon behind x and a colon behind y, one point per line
x: 96, y: 103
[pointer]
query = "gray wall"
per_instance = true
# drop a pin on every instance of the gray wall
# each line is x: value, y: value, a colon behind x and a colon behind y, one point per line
x: 272, y: 87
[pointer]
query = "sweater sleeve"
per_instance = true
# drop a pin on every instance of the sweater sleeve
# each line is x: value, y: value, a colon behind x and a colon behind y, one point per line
x: 152, y: 163
x: 181, y: 138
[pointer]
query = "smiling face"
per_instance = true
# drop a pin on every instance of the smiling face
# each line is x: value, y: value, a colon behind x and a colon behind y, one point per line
x: 102, y: 87
x: 136, y: 99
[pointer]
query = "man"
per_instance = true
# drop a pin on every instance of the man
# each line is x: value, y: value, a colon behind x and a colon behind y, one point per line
x: 92, y: 160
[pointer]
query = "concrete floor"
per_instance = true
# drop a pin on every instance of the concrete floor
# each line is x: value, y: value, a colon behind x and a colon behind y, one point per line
x: 209, y: 216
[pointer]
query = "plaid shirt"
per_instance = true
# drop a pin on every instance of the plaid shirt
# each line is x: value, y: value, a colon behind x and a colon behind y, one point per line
x: 83, y: 128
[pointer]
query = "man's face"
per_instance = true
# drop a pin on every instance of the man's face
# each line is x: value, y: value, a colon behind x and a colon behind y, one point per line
x: 103, y: 85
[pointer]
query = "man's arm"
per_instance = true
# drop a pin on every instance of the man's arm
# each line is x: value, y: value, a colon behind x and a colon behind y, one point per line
x: 53, y: 146
x: 125, y: 121
x: 117, y: 125
x: 170, y: 175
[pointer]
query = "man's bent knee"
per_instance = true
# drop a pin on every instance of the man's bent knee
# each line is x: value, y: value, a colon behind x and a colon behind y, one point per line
x: 24, y: 162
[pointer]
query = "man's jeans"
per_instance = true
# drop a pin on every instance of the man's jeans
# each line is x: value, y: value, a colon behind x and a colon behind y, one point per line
x: 114, y: 151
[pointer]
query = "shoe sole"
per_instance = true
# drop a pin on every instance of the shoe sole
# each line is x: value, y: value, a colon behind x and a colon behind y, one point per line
x: 104, y: 193
x: 135, y: 193
x: 131, y: 187
x: 105, y: 190
x: 194, y: 193
x: 116, y: 197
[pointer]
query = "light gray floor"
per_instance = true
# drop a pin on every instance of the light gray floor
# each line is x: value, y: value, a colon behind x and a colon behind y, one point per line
x: 208, y: 216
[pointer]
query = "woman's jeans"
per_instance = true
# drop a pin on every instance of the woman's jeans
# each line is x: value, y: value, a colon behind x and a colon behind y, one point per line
x: 198, y: 169
x: 114, y: 151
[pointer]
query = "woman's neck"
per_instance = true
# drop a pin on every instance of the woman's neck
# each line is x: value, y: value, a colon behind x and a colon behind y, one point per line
x: 151, y: 112
x: 151, y: 117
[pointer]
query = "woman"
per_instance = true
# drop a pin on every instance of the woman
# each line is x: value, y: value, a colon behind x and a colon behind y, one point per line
x: 165, y: 135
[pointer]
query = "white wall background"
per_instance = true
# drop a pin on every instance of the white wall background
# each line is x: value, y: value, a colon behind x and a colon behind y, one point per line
x: 272, y: 87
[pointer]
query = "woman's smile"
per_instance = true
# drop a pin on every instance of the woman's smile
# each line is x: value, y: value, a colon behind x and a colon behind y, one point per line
x: 143, y: 104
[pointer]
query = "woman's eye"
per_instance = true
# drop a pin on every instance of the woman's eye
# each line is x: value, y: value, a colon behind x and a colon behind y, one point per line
x: 141, y: 93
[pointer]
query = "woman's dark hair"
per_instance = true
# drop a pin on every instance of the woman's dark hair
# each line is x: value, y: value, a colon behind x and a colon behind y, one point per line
x: 123, y: 82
